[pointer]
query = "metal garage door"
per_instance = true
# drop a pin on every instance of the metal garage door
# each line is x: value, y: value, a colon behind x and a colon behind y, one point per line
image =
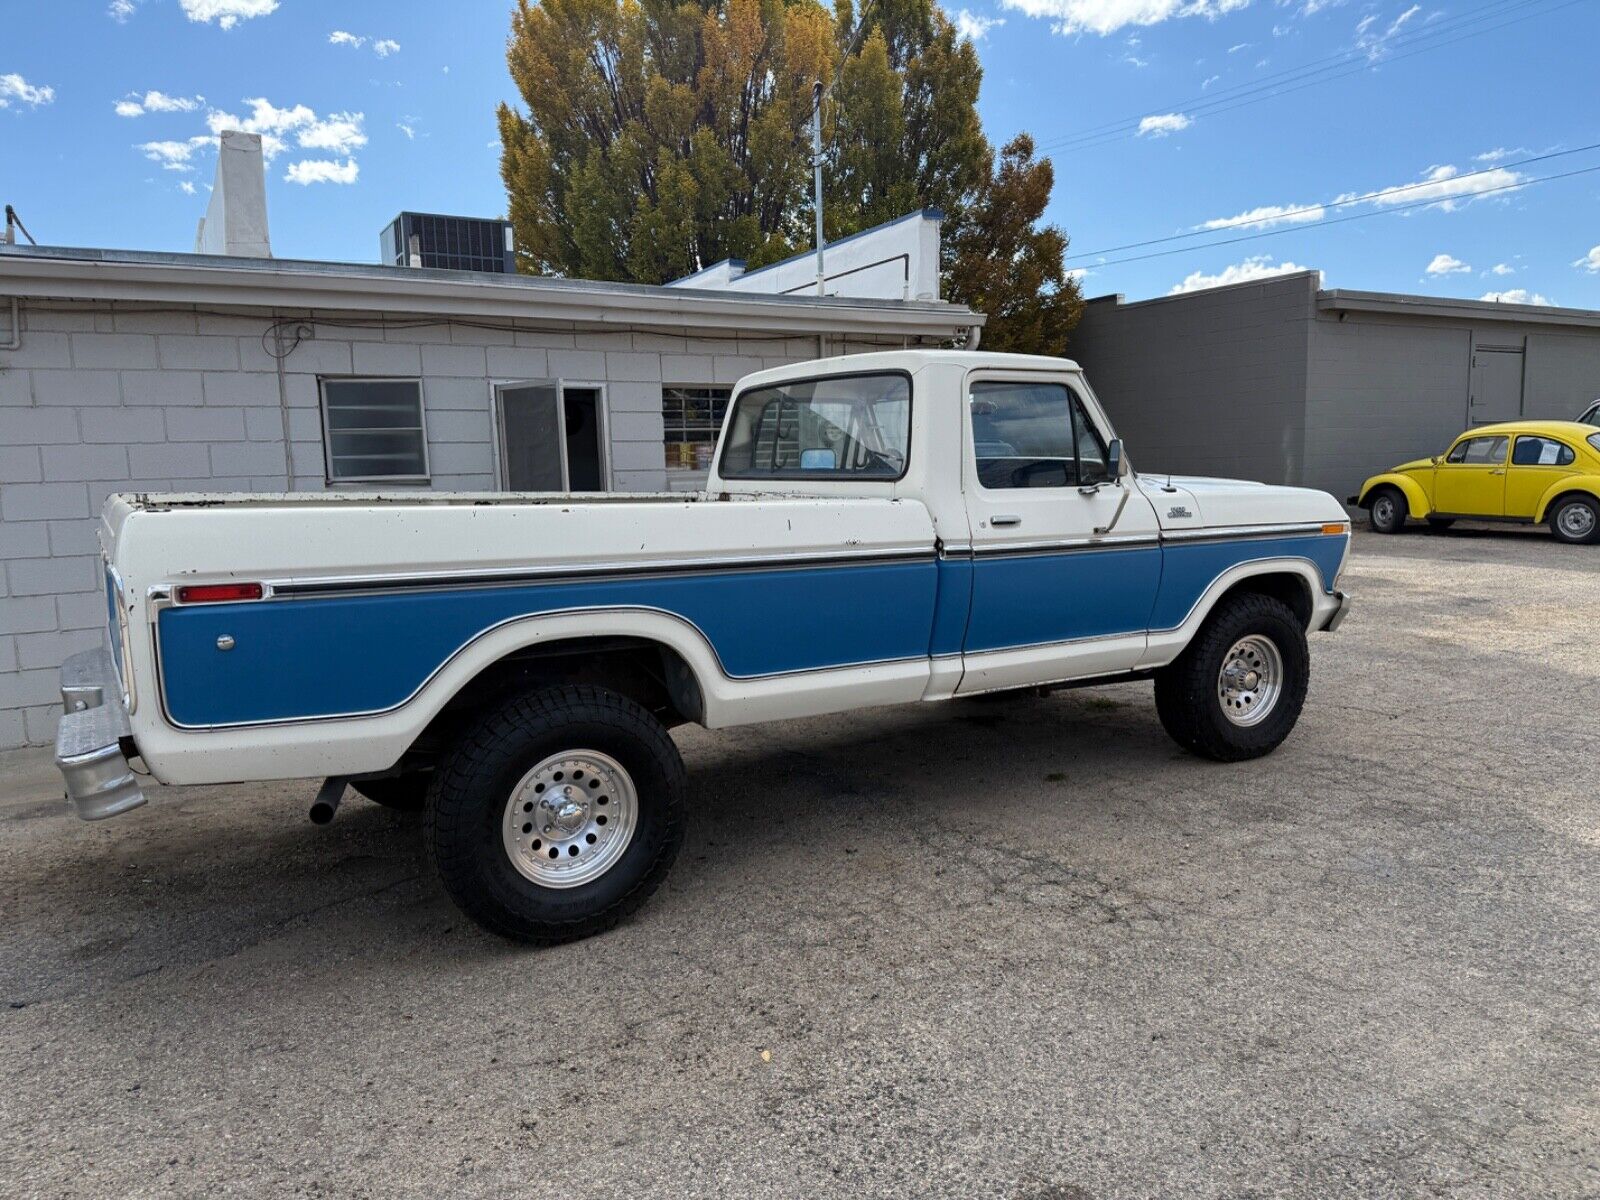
x: 1496, y: 383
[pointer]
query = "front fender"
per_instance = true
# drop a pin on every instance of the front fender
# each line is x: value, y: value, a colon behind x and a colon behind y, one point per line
x: 1416, y: 498
x: 1588, y: 484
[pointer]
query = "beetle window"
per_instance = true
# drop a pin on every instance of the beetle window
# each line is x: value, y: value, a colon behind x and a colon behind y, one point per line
x: 1541, y: 452
x: 1034, y: 435
x: 844, y: 427
x: 1480, y: 451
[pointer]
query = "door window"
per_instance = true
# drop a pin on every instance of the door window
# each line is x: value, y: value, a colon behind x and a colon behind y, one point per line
x: 1027, y: 435
x: 1481, y: 451
x: 1541, y: 452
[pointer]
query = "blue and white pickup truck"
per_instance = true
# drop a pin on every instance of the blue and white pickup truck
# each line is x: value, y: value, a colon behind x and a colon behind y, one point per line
x: 877, y: 529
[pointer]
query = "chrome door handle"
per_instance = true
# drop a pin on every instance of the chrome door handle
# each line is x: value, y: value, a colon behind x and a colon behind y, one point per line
x: 1498, y: 471
x: 1006, y: 519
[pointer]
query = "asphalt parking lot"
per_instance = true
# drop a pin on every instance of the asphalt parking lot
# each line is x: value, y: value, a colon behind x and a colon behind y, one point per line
x: 1022, y: 948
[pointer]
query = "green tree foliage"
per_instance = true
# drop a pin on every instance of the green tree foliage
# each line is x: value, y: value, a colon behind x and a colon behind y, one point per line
x: 661, y: 137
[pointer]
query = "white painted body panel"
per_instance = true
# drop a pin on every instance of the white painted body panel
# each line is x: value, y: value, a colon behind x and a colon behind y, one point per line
x: 156, y: 543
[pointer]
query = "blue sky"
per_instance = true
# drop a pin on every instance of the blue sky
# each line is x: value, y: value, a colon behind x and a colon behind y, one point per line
x: 1161, y: 116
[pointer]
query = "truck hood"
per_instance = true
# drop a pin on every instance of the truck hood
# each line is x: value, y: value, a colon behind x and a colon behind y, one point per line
x: 1195, y: 502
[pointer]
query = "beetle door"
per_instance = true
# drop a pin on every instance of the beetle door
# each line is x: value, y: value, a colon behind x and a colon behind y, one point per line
x: 1536, y: 463
x: 1471, y: 479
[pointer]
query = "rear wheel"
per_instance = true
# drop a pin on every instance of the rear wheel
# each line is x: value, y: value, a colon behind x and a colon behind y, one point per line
x: 1576, y: 520
x: 1386, y: 510
x: 1237, y: 689
x: 557, y: 815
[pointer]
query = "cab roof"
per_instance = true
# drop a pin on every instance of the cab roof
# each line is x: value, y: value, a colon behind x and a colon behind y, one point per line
x: 1571, y: 429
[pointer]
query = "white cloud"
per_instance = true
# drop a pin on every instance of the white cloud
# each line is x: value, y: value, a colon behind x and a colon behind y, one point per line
x: 227, y: 13
x: 1517, y: 296
x: 1162, y: 124
x: 1240, y: 46
x: 1444, y: 185
x: 15, y: 87
x: 1133, y: 60
x: 1209, y: 81
x: 1268, y: 215
x: 120, y: 10
x: 1108, y: 16
x: 408, y: 130
x: 1507, y: 268
x: 382, y: 47
x: 1260, y: 266
x: 1376, y: 44
x: 186, y: 187
x: 1447, y: 264
x: 136, y: 105
x: 322, y: 170
x: 340, y: 132
x: 1590, y: 262
x: 1500, y: 154
x: 175, y: 155
x: 974, y: 27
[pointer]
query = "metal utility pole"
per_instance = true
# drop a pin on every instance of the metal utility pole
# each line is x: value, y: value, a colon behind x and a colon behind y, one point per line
x: 816, y: 174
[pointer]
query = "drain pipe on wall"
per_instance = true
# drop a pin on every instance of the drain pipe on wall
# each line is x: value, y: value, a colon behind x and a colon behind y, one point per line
x: 15, y: 342
x: 974, y: 336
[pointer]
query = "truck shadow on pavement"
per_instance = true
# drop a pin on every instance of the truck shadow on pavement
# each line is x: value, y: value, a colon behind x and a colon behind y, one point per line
x: 202, y: 873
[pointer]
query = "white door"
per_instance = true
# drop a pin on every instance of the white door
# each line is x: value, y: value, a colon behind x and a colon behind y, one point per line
x: 1066, y: 561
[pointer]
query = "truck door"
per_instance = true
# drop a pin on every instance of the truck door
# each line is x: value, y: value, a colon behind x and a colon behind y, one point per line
x: 1066, y: 561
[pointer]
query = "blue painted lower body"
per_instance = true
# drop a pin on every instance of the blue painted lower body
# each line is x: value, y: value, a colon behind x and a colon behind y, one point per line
x: 299, y: 658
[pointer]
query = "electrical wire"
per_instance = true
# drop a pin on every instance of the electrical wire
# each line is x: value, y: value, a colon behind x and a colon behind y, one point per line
x: 1383, y: 212
x: 1339, y: 202
x: 1296, y: 79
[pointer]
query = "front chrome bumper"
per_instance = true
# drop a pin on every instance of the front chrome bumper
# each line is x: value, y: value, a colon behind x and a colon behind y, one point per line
x: 89, y: 753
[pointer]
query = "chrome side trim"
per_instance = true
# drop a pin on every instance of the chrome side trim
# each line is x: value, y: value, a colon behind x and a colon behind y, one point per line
x: 1065, y: 546
x: 315, y: 585
x: 1230, y: 533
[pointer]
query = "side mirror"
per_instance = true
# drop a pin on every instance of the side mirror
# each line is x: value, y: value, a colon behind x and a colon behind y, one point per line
x: 1114, y: 460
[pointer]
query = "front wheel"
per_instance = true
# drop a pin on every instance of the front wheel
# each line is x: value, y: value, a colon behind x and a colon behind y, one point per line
x: 1576, y: 520
x: 1387, y: 511
x: 1237, y: 689
x: 557, y: 815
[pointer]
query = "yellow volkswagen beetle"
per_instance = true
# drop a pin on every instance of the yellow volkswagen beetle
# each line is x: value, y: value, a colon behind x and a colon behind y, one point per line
x: 1523, y: 471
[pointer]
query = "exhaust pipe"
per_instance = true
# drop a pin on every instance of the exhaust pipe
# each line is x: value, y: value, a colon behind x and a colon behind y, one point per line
x: 327, y: 801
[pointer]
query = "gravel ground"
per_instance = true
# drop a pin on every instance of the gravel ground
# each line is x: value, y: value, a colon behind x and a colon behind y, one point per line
x: 1021, y: 948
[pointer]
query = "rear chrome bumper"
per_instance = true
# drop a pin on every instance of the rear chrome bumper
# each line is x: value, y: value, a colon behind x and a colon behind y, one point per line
x: 89, y: 753
x: 1340, y: 611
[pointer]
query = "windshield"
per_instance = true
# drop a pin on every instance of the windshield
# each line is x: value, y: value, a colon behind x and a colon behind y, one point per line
x: 844, y: 427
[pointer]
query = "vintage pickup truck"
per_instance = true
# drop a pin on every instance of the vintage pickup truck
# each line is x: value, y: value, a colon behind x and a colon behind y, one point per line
x: 877, y: 529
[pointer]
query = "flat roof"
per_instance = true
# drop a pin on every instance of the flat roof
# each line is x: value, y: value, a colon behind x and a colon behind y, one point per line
x: 1342, y: 300
x: 201, y: 279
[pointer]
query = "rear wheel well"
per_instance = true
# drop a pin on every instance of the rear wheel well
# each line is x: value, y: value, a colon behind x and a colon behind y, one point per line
x: 1284, y: 586
x: 651, y: 674
x: 1575, y: 494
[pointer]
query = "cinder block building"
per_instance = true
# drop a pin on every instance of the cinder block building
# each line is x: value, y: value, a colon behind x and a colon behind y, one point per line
x: 236, y: 372
x: 1286, y: 382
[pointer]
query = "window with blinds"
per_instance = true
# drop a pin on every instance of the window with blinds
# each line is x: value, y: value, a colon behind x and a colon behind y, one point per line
x: 373, y: 431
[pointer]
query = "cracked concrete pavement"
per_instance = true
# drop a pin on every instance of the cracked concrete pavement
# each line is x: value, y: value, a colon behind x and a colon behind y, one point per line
x: 1017, y: 948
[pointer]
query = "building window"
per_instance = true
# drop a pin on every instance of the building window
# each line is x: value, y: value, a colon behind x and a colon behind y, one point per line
x: 373, y: 431
x: 691, y: 418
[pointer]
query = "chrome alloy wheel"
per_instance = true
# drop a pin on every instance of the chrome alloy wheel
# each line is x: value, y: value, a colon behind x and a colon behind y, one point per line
x: 1576, y: 521
x: 569, y: 819
x: 1251, y: 680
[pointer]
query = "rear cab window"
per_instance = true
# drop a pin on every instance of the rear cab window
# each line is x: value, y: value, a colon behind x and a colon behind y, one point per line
x: 837, y: 427
x: 1541, y: 452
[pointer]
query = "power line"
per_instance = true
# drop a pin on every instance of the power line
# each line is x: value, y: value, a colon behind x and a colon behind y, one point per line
x: 1382, y: 212
x: 1295, y: 79
x: 1338, y: 202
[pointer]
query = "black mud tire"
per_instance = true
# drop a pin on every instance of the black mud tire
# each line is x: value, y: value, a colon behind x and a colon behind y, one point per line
x: 1568, y: 523
x: 1387, y: 510
x: 472, y: 786
x: 1187, y: 698
x: 403, y: 793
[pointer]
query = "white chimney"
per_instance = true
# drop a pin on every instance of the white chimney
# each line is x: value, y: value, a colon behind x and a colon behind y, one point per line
x: 236, y: 219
